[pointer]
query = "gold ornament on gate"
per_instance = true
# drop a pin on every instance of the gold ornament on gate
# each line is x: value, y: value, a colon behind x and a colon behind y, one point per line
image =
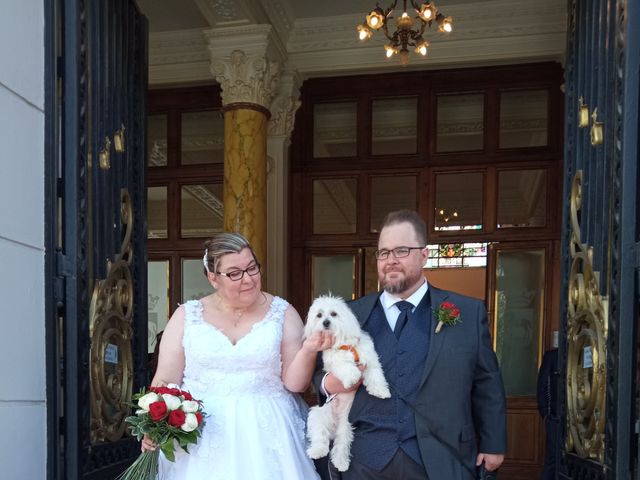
x: 111, y: 334
x: 587, y: 330
x: 104, y: 155
x: 597, y: 130
x: 118, y: 140
x: 583, y: 113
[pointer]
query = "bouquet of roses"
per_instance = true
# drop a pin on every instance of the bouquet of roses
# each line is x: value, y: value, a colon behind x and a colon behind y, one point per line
x: 170, y: 417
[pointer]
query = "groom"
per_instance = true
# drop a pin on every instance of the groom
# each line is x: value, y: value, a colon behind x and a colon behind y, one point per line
x: 447, y: 413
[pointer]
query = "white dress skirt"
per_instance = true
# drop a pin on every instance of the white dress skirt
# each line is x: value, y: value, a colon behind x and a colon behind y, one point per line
x: 255, y: 428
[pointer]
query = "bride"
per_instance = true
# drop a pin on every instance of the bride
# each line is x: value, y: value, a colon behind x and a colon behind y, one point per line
x: 240, y: 351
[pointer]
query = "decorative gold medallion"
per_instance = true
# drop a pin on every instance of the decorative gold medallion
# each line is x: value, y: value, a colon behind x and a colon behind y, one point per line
x: 587, y: 329
x: 111, y: 332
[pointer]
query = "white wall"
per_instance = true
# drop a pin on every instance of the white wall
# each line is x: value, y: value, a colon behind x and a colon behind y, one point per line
x: 22, y: 344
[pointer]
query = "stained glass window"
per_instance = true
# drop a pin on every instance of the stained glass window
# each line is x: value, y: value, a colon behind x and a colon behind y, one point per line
x: 457, y: 255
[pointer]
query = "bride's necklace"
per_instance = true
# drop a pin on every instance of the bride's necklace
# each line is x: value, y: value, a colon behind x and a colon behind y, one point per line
x: 238, y: 314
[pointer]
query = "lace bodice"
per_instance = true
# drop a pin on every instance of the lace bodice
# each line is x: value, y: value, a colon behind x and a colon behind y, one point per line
x: 216, y: 367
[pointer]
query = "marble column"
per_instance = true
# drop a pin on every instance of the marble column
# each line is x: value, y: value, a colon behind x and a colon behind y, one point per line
x: 283, y: 109
x: 248, y: 81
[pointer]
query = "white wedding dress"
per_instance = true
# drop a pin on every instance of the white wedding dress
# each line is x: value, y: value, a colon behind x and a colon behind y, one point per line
x: 255, y: 428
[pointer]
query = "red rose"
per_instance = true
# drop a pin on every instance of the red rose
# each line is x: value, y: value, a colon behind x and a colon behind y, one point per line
x: 186, y: 395
x: 199, y: 417
x: 173, y: 391
x: 160, y: 390
x: 176, y: 418
x: 157, y: 411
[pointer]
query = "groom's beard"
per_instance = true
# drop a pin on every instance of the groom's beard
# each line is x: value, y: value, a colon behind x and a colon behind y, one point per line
x: 401, y: 285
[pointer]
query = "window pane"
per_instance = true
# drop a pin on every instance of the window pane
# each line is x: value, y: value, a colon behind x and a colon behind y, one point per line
x: 459, y: 201
x: 518, y: 314
x: 334, y: 205
x: 334, y: 129
x: 157, y: 300
x: 394, y: 126
x: 522, y: 198
x: 157, y: 212
x: 523, y: 119
x: 202, y: 138
x: 335, y: 275
x: 157, y: 141
x: 194, y: 283
x: 202, y: 210
x: 460, y: 124
x: 389, y: 194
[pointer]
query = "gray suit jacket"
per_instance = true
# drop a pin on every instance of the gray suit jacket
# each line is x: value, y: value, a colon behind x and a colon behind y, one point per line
x: 460, y: 406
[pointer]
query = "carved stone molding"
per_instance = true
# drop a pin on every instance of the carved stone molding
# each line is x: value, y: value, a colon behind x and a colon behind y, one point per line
x: 285, y: 104
x: 246, y: 79
x: 245, y: 61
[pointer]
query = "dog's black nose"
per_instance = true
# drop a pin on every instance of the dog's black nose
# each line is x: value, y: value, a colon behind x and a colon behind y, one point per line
x: 326, y: 323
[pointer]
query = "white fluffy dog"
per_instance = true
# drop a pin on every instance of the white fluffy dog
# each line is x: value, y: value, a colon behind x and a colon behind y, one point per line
x: 351, y: 348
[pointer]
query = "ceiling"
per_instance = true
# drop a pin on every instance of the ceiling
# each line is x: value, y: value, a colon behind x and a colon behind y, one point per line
x: 318, y: 38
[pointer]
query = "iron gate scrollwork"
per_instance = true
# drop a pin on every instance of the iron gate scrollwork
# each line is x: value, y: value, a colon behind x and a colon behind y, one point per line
x: 599, y: 303
x: 99, y: 233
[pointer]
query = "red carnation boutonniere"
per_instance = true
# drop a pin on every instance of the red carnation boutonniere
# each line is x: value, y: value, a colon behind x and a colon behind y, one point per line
x: 447, y: 314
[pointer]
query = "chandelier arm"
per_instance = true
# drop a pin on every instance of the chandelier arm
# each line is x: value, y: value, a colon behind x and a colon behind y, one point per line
x: 415, y: 34
x: 386, y: 31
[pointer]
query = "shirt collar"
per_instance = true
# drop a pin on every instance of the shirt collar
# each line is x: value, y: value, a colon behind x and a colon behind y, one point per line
x: 388, y: 300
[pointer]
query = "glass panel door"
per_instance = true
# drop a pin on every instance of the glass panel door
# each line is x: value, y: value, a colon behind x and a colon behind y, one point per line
x: 157, y: 300
x: 518, y: 316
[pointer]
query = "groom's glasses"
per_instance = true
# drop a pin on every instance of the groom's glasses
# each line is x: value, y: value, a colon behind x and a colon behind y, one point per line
x: 236, y: 275
x: 398, y: 252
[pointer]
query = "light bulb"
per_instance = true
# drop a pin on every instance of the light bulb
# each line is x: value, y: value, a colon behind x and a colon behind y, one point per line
x: 445, y: 24
x: 364, y: 32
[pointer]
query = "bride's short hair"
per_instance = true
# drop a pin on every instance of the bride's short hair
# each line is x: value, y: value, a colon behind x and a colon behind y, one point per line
x: 222, y: 244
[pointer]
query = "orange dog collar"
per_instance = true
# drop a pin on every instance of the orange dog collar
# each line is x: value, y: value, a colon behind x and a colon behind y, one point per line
x: 351, y: 349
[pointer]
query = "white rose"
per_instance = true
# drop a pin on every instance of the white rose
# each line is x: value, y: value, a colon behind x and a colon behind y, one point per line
x: 173, y: 385
x: 147, y: 399
x: 173, y: 402
x: 190, y: 422
x: 190, y: 406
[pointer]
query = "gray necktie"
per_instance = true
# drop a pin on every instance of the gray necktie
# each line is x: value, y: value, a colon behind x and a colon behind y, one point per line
x: 405, y: 308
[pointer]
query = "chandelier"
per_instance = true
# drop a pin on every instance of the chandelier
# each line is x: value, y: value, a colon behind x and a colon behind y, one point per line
x: 404, y: 35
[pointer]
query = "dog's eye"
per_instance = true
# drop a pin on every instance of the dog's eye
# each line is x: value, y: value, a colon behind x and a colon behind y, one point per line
x: 334, y: 314
x: 319, y: 315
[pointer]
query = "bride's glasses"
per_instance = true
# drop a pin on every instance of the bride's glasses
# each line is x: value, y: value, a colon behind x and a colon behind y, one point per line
x: 236, y: 275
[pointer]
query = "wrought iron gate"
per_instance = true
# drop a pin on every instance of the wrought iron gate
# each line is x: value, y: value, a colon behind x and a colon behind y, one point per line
x: 600, y: 235
x: 96, y: 232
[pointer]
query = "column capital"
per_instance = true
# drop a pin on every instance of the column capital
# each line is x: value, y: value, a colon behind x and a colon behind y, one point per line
x: 246, y: 62
x: 285, y: 104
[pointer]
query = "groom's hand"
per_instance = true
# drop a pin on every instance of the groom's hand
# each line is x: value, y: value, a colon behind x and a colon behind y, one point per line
x: 333, y: 385
x: 492, y: 461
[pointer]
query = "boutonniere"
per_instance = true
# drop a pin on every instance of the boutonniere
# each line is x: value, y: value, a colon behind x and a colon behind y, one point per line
x: 447, y: 314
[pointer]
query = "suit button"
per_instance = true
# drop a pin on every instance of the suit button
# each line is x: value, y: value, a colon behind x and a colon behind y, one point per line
x: 402, y: 420
x: 401, y: 352
x: 401, y: 374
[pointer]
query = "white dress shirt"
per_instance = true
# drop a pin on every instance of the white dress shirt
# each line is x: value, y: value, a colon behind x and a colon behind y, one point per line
x: 392, y: 312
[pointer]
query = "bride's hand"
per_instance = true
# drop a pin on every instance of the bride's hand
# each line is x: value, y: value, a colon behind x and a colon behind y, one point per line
x: 318, y: 342
x: 147, y: 445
